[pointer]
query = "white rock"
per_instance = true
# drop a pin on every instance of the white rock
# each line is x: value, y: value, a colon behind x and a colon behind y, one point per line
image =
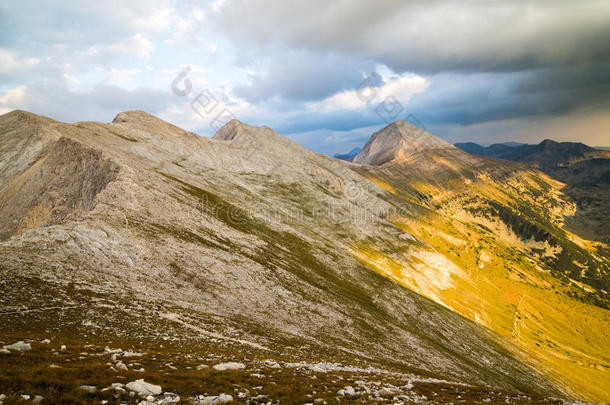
x: 386, y: 392
x: 121, y: 366
x: 215, y: 400
x: 63, y: 348
x: 202, y: 366
x: 19, y: 346
x: 45, y: 341
x: 229, y: 366
x: 169, y: 398
x: 143, y: 388
x: 272, y: 364
x: 348, y: 391
x: 5, y: 351
x: 88, y: 388
x: 38, y: 399
x: 132, y: 354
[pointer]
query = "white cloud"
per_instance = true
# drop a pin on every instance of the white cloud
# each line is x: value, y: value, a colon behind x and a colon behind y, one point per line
x: 400, y: 88
x: 217, y: 5
x: 13, y: 99
x: 188, y: 28
x: 9, y: 63
x: 137, y: 44
x: 121, y: 76
x: 421, y: 35
x: 99, y: 103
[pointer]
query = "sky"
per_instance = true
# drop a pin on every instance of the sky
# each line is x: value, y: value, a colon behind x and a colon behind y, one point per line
x: 327, y: 74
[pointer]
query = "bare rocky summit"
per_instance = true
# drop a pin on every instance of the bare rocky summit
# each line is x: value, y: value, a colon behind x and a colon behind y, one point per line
x: 398, y: 141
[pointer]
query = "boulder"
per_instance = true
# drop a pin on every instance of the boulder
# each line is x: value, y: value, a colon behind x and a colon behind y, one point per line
x: 143, y: 388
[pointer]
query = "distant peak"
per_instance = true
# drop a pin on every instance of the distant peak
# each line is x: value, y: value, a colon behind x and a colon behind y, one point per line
x: 398, y: 140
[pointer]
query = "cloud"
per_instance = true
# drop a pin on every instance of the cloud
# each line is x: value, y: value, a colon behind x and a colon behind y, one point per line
x: 330, y: 142
x: 300, y: 75
x: 298, y: 66
x: 481, y: 61
x: 13, y: 99
x: 37, y: 22
x: 119, y: 76
x: 398, y: 88
x: 137, y: 44
x: 424, y: 36
x: 102, y: 102
x: 12, y: 64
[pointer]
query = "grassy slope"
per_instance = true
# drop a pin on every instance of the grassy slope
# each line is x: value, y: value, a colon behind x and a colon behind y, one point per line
x: 507, y: 286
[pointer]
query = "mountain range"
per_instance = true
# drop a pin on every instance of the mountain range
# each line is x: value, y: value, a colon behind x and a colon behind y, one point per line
x: 414, y: 271
x: 349, y: 155
x: 584, y: 170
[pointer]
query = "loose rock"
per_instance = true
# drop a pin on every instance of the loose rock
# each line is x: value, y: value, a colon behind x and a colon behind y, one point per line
x: 19, y: 346
x: 143, y: 388
x: 229, y: 366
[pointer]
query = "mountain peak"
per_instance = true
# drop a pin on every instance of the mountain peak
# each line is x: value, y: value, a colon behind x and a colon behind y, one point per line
x: 133, y: 116
x: 396, y: 141
x: 251, y: 136
x: 22, y: 117
x: 232, y: 130
x: 142, y: 120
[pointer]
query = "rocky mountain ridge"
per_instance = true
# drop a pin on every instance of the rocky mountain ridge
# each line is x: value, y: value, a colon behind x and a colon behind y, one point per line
x: 249, y: 242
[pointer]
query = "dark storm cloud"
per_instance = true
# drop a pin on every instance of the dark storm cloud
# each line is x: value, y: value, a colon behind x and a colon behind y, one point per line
x: 508, y: 59
x: 431, y: 36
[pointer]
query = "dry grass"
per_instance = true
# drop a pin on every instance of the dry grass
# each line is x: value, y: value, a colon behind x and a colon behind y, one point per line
x: 29, y: 373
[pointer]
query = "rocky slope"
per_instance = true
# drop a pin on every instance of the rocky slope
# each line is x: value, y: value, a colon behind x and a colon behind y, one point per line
x: 256, y: 247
